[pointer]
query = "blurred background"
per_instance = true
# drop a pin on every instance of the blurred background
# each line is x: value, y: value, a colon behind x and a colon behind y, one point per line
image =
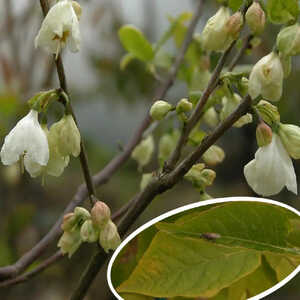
x: 110, y: 104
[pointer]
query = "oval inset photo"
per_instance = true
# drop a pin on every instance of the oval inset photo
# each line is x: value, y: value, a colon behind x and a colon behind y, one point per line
x: 230, y: 248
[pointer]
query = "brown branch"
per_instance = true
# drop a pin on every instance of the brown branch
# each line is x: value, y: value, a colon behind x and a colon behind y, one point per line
x: 157, y: 186
x: 245, y: 46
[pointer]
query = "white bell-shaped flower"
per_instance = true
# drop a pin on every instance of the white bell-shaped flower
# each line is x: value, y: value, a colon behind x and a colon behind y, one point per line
x: 271, y: 170
x: 60, y: 28
x: 26, y: 139
x: 266, y: 78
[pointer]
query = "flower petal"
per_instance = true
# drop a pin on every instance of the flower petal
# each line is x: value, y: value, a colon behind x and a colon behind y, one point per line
x: 271, y: 170
x: 28, y: 138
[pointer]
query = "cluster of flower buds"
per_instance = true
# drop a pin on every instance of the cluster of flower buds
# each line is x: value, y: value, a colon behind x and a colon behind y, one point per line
x: 60, y: 28
x: 161, y: 108
x: 221, y: 30
x: 71, y: 239
x: 200, y: 177
x: 81, y: 226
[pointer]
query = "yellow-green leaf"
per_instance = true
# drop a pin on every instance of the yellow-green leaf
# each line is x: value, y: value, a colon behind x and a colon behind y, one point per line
x: 174, y: 266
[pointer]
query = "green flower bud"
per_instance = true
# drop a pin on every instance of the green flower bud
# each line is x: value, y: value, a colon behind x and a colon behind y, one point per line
x: 194, y: 173
x: 109, y: 237
x: 57, y: 163
x: 184, y: 105
x: 207, y: 177
x: 69, y: 242
x: 100, y: 214
x: 143, y: 151
x: 146, y: 179
x: 89, y: 232
x: 210, y: 117
x: 82, y: 213
x: 229, y: 104
x: 167, y: 144
x: 214, y: 155
x: 290, y: 137
x: 266, y: 78
x: 268, y: 112
x: 215, y: 36
x: 234, y: 25
x: 263, y: 134
x: 244, y: 120
x: 256, y: 18
x: 69, y: 222
x: 159, y: 110
x: 286, y: 62
x: 288, y: 40
x: 67, y: 136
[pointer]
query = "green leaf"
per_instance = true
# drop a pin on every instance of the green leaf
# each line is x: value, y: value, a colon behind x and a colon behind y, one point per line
x: 125, y: 61
x: 246, y: 220
x: 170, y: 31
x: 253, y: 284
x: 283, y: 266
x: 257, y: 226
x: 174, y: 266
x: 130, y: 255
x: 232, y: 250
x: 135, y: 42
x: 282, y: 11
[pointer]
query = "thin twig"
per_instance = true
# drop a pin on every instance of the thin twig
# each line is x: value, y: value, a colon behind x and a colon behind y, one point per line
x: 245, y: 46
x: 30, y: 274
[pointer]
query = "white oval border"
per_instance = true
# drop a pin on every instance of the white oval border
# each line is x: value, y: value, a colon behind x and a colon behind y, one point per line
x: 199, y: 204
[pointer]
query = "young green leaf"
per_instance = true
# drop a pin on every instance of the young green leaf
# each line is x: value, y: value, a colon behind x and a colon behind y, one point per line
x: 174, y: 266
x: 135, y: 42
